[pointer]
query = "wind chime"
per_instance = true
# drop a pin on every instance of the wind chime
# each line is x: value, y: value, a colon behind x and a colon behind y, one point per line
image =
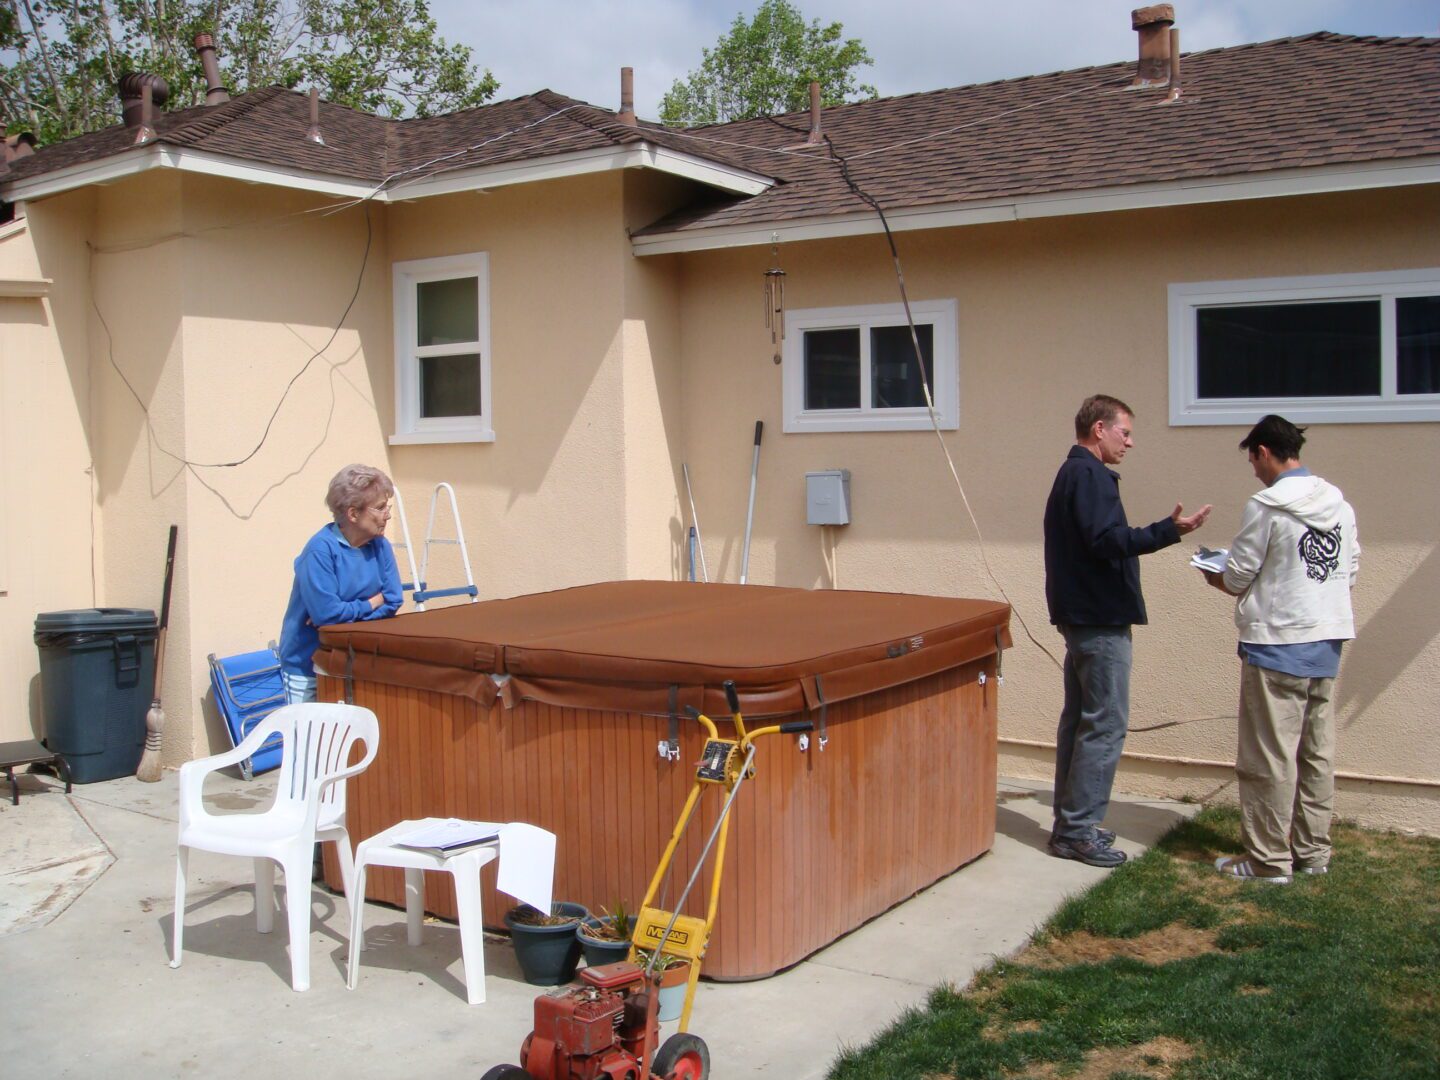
x: 775, y: 302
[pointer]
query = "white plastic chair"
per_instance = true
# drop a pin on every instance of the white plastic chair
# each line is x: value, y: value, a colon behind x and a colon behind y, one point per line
x: 309, y: 806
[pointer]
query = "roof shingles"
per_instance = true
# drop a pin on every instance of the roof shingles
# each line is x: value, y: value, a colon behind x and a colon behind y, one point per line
x: 1323, y: 99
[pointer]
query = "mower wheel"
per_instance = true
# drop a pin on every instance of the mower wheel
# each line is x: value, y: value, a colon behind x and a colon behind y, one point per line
x: 682, y: 1057
x: 507, y: 1072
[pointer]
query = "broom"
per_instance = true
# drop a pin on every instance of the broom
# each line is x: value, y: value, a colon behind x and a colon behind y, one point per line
x: 149, y: 770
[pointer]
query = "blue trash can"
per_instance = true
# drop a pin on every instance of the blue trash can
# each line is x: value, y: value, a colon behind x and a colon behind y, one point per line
x: 97, y: 677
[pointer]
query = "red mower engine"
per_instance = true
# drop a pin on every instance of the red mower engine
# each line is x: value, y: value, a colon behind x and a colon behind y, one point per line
x: 602, y: 1029
x: 591, y: 1031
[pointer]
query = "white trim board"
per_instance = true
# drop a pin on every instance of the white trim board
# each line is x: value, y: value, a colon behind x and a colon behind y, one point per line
x: 1313, y: 181
x: 941, y: 315
x: 602, y: 159
x: 1187, y: 409
x: 410, y: 426
x: 25, y: 287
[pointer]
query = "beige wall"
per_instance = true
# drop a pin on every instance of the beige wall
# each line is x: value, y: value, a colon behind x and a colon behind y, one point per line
x: 1050, y: 311
x: 264, y: 286
x: 212, y: 303
x: 208, y: 304
x: 610, y: 370
x: 579, y: 484
x: 45, y: 477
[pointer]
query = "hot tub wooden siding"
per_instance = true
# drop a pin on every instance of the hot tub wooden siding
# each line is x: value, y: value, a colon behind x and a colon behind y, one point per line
x: 903, y: 795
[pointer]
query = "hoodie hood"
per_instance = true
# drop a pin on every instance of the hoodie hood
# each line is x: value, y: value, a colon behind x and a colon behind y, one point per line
x: 1314, y: 502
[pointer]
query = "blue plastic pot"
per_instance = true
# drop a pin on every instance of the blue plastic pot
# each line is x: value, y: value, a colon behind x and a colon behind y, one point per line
x: 548, y: 955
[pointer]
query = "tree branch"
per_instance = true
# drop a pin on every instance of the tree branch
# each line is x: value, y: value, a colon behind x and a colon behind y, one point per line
x: 44, y: 49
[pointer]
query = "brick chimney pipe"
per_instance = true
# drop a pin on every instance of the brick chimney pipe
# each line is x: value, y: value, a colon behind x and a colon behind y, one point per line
x: 146, y: 131
x: 312, y: 133
x: 215, y: 92
x: 814, y: 137
x: 1153, y: 24
x: 627, y: 97
x: 1174, y: 64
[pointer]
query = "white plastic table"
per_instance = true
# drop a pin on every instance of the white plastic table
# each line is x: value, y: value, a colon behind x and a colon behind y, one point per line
x: 381, y: 850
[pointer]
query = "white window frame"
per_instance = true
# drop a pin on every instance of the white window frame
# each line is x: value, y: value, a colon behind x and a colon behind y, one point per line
x: 940, y: 315
x: 410, y: 426
x: 1389, y: 407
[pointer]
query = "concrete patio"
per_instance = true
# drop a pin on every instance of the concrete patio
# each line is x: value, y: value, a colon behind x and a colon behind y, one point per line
x: 86, y: 899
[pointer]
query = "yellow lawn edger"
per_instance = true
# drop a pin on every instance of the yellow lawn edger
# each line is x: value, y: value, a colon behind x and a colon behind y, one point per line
x: 607, y: 1025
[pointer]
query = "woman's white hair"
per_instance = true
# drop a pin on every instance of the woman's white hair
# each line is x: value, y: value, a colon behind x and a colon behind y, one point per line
x: 357, y: 486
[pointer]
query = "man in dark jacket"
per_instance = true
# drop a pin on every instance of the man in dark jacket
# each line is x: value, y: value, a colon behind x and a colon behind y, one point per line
x: 1092, y: 584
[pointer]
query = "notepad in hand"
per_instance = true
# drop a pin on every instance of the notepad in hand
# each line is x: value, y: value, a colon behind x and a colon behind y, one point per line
x: 449, y: 837
x: 1214, y: 561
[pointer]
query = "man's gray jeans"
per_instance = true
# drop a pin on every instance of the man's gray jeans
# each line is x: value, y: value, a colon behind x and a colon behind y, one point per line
x: 1092, y: 726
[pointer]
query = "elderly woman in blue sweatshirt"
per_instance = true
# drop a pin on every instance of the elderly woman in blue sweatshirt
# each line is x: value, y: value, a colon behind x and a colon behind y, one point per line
x: 346, y: 573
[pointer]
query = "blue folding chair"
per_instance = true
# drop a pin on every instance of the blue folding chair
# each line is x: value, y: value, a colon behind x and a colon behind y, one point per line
x: 248, y: 688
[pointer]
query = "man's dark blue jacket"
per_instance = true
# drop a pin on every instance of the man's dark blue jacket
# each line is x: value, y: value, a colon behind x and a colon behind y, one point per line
x: 1092, y: 565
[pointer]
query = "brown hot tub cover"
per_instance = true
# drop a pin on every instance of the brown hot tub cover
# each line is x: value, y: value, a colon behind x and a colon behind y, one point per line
x: 653, y: 646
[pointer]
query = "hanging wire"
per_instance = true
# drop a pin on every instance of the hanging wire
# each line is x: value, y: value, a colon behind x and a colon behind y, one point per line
x: 925, y: 378
x: 324, y: 211
x: 110, y: 353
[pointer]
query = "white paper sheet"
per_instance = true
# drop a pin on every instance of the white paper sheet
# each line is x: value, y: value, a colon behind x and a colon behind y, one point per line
x: 1205, y: 559
x: 527, y: 864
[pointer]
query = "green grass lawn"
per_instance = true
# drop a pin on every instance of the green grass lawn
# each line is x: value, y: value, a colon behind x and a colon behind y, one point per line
x: 1167, y: 970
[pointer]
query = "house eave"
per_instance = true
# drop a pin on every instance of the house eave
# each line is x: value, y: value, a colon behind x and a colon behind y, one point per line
x: 641, y: 155
x: 603, y: 159
x: 1188, y: 192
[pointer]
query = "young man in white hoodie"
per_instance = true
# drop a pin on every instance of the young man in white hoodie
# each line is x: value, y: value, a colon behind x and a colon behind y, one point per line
x: 1291, y: 566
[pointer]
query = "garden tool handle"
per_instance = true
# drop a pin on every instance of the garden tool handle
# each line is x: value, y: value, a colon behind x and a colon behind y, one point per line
x: 731, y: 697
x: 794, y: 727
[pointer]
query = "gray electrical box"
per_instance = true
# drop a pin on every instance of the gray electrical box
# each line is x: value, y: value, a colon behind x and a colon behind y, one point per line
x: 827, y: 497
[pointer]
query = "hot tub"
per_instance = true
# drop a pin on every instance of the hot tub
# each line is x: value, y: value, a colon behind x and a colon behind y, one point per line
x: 553, y: 709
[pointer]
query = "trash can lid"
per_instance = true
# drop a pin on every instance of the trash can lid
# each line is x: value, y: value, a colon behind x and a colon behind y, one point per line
x: 91, y: 620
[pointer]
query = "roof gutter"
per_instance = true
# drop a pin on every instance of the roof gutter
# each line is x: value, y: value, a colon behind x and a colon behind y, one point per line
x: 1317, y: 180
x: 160, y: 156
x: 602, y: 159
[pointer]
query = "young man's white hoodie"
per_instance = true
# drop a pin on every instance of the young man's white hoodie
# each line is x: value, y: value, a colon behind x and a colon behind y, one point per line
x: 1293, y: 563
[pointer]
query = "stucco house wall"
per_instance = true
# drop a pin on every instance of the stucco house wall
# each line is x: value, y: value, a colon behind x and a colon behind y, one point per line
x: 579, y: 484
x: 1049, y: 312
x: 610, y: 370
x: 210, y: 304
x: 172, y: 281
x: 46, y: 482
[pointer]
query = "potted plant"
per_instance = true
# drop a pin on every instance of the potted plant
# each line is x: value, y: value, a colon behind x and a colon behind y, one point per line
x: 674, y: 973
x: 546, y: 945
x: 605, y: 938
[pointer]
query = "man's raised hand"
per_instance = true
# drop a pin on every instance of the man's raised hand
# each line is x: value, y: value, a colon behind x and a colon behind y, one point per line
x: 1184, y: 523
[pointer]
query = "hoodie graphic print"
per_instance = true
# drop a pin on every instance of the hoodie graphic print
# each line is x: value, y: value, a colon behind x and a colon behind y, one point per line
x: 1321, y: 552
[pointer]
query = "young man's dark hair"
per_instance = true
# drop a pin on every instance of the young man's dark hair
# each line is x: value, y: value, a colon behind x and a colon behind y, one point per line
x: 1098, y: 407
x: 1282, y: 438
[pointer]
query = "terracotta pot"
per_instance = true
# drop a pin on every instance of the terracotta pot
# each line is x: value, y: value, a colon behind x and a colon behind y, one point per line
x: 672, y: 990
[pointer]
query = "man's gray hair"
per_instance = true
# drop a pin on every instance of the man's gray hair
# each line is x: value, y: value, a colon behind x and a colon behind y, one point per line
x: 357, y: 486
x: 1101, y: 407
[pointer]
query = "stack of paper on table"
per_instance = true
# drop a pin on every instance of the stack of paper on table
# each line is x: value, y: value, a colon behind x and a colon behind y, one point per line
x: 450, y: 836
x: 526, y: 853
x: 1205, y: 559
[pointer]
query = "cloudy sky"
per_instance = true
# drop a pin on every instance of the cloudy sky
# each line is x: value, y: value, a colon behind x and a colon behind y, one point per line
x: 577, y: 47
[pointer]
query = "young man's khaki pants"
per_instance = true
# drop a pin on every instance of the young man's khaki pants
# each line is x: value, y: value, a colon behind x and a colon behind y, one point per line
x: 1285, y: 765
